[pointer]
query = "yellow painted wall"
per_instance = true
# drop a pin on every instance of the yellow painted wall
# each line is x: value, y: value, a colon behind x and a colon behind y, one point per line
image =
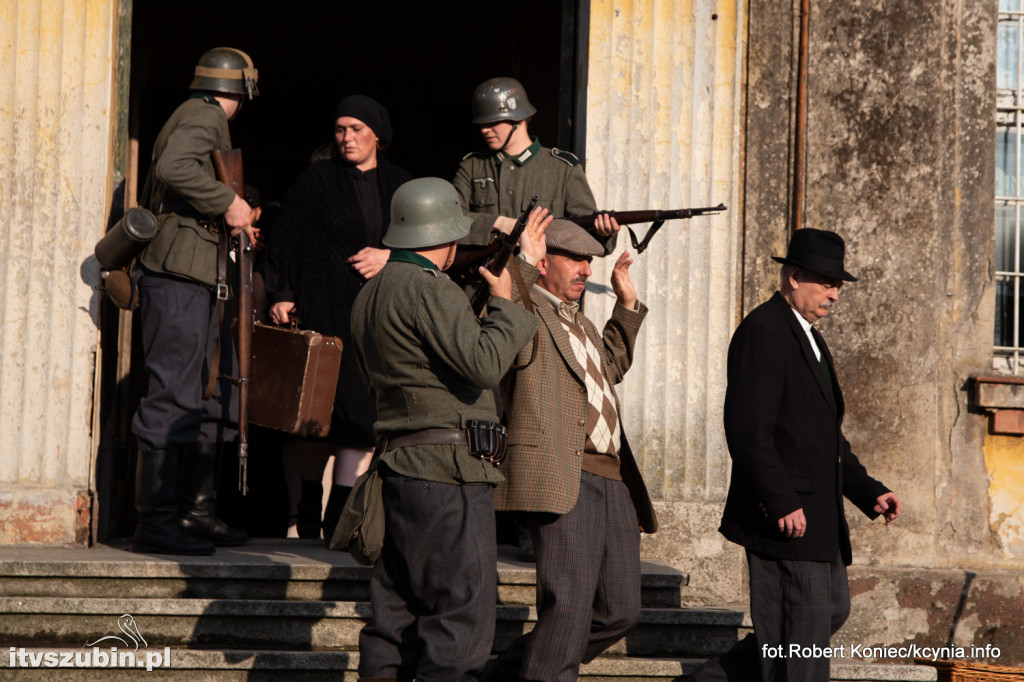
x: 1004, y: 461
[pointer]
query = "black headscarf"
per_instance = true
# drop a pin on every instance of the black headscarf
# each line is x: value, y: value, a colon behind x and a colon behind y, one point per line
x: 370, y: 112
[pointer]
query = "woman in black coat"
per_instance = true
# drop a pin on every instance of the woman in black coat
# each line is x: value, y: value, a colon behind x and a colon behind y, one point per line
x: 327, y: 242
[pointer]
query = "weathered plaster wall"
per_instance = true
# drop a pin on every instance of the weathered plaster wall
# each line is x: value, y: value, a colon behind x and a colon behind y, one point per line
x: 937, y: 607
x: 900, y: 162
x: 56, y: 74
x: 664, y: 107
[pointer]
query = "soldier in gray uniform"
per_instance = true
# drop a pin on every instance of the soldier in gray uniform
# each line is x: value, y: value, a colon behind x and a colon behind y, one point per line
x: 431, y: 365
x: 178, y: 430
x: 497, y: 185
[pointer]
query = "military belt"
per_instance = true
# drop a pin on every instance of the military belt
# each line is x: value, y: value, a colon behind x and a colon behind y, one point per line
x: 486, y: 440
x: 430, y: 437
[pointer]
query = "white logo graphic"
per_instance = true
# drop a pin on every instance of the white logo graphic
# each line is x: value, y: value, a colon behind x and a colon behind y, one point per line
x: 127, y: 624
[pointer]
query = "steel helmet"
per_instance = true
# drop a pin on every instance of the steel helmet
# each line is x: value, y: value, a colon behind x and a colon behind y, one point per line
x: 501, y: 99
x: 425, y: 212
x: 225, y: 69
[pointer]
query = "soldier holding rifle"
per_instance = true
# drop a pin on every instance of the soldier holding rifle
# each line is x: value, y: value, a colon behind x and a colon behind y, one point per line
x: 431, y: 365
x: 180, y: 424
x: 496, y: 185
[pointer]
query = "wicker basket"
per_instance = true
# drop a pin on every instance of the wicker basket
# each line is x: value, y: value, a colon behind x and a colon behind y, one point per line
x: 963, y: 671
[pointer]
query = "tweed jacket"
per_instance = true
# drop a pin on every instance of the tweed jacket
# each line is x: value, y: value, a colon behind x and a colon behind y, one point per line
x: 546, y: 413
x: 783, y: 424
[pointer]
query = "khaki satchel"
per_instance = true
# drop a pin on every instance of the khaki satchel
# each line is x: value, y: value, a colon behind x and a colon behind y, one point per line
x: 360, y: 529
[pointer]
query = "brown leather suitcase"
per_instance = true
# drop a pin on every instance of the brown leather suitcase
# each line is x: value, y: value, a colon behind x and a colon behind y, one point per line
x: 293, y: 379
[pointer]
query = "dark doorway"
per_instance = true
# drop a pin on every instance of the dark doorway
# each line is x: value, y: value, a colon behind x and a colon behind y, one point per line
x: 420, y: 60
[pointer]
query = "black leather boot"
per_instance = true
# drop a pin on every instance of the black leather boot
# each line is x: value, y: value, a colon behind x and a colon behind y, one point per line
x: 198, y: 497
x: 156, y: 499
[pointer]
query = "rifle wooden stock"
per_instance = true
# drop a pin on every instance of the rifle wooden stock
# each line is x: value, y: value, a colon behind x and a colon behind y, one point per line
x: 228, y: 165
x: 505, y: 246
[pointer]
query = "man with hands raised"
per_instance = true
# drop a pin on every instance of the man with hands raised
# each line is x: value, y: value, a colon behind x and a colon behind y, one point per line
x: 570, y: 473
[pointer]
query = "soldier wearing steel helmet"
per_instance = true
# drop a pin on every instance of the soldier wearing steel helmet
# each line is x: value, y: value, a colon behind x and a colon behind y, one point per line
x: 178, y: 429
x: 431, y: 365
x: 496, y: 185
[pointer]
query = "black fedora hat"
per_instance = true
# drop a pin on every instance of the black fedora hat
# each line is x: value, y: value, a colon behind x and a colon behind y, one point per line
x: 819, y: 251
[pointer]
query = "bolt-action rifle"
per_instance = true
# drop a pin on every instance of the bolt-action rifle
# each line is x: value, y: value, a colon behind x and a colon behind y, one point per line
x: 229, y: 170
x: 505, y: 247
x: 467, y: 257
x: 658, y: 219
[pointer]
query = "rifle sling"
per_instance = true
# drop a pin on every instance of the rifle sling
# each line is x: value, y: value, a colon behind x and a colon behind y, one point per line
x: 641, y: 245
x: 222, y: 295
x: 517, y: 277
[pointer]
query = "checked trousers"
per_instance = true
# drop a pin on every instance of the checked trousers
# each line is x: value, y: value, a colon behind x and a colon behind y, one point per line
x: 588, y: 582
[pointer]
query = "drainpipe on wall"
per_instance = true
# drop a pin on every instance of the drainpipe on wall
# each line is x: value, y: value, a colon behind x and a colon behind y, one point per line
x: 799, y: 140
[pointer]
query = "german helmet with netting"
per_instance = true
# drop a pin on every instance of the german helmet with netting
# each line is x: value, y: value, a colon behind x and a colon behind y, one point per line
x: 227, y: 70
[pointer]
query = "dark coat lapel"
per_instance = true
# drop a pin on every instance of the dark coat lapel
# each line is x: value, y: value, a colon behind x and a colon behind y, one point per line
x: 827, y: 391
x: 834, y: 391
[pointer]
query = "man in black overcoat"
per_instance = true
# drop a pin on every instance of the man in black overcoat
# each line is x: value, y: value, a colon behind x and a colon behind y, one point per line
x: 792, y: 466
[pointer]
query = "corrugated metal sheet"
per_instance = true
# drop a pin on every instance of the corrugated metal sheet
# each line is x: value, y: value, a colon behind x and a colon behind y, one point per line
x: 56, y: 84
x: 664, y: 100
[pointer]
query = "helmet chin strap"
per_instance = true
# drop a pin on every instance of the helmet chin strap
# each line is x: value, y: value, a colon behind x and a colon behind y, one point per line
x: 508, y: 138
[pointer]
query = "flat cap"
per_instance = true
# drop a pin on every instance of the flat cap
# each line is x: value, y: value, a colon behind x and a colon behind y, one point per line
x: 568, y: 237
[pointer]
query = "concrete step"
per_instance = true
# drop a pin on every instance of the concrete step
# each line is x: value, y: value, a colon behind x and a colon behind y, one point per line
x: 264, y: 569
x: 189, y: 665
x: 316, y: 625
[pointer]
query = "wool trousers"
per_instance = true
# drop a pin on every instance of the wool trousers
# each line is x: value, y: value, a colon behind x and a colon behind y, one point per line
x: 178, y: 323
x: 433, y: 589
x: 588, y: 582
x: 795, y: 606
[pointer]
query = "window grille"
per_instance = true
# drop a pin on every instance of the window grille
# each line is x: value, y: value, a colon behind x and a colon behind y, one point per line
x: 1009, y: 326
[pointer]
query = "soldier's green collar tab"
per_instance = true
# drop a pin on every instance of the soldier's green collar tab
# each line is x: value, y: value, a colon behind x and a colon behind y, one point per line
x: 405, y: 256
x: 523, y: 157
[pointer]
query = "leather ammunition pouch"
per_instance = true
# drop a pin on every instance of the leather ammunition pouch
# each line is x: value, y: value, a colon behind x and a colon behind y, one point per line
x: 487, y: 441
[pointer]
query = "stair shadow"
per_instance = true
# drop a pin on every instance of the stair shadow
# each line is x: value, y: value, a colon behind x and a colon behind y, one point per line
x: 261, y: 629
x: 697, y: 634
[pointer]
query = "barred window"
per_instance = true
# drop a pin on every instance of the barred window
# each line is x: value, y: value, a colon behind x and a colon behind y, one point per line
x: 1009, y: 327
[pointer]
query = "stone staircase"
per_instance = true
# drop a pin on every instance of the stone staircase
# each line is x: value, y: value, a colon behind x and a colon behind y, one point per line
x: 291, y: 610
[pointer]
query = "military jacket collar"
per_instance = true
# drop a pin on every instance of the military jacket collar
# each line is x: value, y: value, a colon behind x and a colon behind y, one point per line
x: 522, y: 158
x: 406, y: 256
x: 205, y: 96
